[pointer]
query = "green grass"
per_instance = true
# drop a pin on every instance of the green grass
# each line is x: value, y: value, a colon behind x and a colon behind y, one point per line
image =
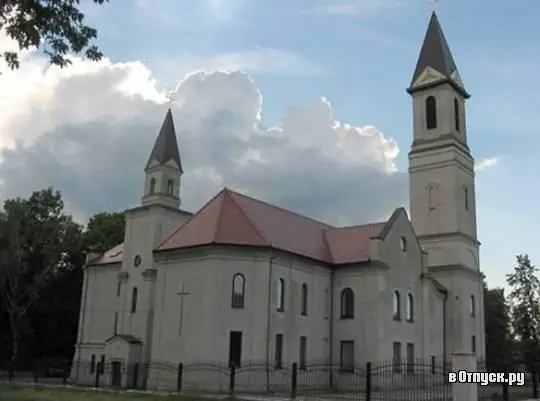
x: 27, y: 393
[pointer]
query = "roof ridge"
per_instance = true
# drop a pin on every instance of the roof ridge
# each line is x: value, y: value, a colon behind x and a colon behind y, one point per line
x: 282, y: 209
x: 257, y: 230
x: 358, y: 225
x: 175, y: 231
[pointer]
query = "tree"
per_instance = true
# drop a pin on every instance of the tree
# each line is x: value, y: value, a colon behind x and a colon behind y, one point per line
x: 525, y: 309
x: 55, y: 25
x: 104, y: 231
x: 499, y: 342
x: 37, y: 243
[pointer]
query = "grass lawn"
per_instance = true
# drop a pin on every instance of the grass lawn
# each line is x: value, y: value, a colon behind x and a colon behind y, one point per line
x: 24, y: 393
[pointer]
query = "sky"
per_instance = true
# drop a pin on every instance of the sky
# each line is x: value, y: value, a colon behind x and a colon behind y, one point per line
x: 300, y: 103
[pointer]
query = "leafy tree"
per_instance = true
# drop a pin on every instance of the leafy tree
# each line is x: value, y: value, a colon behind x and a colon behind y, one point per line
x: 499, y: 342
x: 525, y: 308
x: 104, y: 231
x: 55, y: 25
x: 37, y: 243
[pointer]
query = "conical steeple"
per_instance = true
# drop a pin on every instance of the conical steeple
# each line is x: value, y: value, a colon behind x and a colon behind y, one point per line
x: 162, y: 182
x: 435, y: 64
x: 166, y: 146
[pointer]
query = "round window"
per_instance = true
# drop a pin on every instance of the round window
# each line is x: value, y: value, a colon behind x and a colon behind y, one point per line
x: 137, y: 261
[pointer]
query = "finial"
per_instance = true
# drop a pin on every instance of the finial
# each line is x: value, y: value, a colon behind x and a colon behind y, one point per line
x: 434, y: 4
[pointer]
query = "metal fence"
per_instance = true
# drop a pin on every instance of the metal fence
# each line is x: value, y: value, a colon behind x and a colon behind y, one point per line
x: 423, y: 380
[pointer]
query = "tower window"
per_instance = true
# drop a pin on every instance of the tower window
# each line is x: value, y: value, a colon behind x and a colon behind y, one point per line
x: 431, y: 112
x: 134, y: 296
x: 456, y: 114
x: 466, y: 198
x: 152, y: 188
x: 170, y: 187
x: 472, y: 306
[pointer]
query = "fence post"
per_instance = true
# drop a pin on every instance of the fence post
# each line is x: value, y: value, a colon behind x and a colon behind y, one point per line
x: 368, y: 381
x: 179, y: 377
x: 232, y: 377
x: 433, y: 365
x: 535, y: 383
x: 293, y: 379
x: 11, y: 369
x: 36, y: 371
x: 505, y: 386
x: 98, y: 372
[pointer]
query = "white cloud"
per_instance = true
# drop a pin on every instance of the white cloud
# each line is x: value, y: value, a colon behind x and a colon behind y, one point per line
x: 483, y: 164
x: 356, y: 8
x: 87, y: 131
x: 259, y: 60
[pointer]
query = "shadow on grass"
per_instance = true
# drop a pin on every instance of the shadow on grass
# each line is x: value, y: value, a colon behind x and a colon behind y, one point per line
x: 12, y: 392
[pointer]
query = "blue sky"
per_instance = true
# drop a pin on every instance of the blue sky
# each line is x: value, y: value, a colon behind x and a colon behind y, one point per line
x: 363, y: 54
x: 360, y: 54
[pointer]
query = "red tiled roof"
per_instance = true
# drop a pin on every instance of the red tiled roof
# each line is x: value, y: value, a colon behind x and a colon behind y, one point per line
x: 113, y: 255
x: 232, y: 218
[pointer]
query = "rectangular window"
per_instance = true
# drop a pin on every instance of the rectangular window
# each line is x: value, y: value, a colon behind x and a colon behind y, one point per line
x: 302, y: 353
x: 396, y: 358
x: 115, y: 327
x: 410, y: 358
x: 93, y: 364
x: 235, y: 348
x: 279, y: 351
x: 473, y: 344
x: 118, y: 288
x: 134, y: 294
x: 304, y: 300
x: 346, y: 356
x: 102, y: 365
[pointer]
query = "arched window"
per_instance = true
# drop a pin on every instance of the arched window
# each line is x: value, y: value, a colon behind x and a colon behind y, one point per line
x: 347, y: 304
x: 431, y: 112
x: 304, y: 299
x: 238, y: 290
x: 170, y: 187
x: 466, y: 197
x: 281, y: 295
x: 432, y: 190
x: 456, y: 114
x: 472, y: 306
x: 410, y: 307
x: 396, y: 305
x: 152, y: 188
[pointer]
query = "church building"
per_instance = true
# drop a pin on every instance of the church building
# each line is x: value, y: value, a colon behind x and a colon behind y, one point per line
x: 242, y: 280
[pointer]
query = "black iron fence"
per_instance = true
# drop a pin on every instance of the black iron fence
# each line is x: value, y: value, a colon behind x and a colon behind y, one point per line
x: 504, y: 391
x: 423, y: 379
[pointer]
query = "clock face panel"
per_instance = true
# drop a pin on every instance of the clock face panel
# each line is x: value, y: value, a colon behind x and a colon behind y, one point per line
x: 137, y: 261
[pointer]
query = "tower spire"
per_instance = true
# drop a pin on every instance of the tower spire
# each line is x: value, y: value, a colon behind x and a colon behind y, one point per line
x: 164, y: 168
x: 435, y: 63
x: 166, y: 146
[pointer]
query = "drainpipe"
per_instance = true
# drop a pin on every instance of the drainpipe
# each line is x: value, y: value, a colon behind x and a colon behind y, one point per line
x: 268, y: 319
x: 331, y: 334
x: 82, y: 315
x: 445, y: 311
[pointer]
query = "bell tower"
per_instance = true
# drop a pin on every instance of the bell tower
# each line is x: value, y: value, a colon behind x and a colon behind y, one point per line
x: 164, y: 169
x: 442, y: 190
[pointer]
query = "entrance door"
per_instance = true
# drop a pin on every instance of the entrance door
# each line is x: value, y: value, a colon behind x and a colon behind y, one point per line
x: 116, y: 372
x: 235, y: 348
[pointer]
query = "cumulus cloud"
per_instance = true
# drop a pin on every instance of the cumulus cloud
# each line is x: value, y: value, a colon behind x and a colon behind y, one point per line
x: 88, y: 130
x: 488, y: 162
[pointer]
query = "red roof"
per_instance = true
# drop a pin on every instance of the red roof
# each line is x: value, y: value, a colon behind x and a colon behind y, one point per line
x: 236, y: 219
x: 113, y: 255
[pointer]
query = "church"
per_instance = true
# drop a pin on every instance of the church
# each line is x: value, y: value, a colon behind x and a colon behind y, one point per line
x: 243, y: 280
